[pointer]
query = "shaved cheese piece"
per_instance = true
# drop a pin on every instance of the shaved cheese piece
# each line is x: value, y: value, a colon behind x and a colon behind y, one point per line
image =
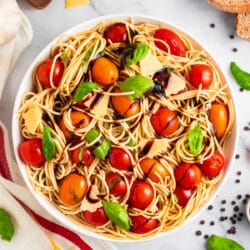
x: 157, y: 147
x: 101, y: 107
x: 32, y: 119
x: 75, y: 3
x: 175, y: 85
x: 150, y: 64
x: 90, y: 206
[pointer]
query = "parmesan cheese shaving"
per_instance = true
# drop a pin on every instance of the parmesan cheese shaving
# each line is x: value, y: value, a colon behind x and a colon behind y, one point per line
x: 175, y: 85
x: 101, y: 107
x: 32, y: 119
x: 149, y: 65
x: 157, y: 147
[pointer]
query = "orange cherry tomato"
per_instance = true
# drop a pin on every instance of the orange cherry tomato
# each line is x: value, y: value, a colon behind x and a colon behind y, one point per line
x: 123, y: 105
x: 165, y: 122
x: 153, y: 169
x: 218, y: 115
x: 72, y: 189
x: 78, y: 119
x: 104, y: 71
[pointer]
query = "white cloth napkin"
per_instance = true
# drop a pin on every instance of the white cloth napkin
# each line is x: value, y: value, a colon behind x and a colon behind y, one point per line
x: 35, y: 229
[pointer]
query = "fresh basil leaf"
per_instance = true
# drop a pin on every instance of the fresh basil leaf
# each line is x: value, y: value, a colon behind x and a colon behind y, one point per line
x: 6, y: 225
x: 117, y: 214
x: 138, y: 84
x: 102, y: 150
x: 87, y: 56
x: 83, y: 90
x: 195, y: 140
x: 92, y: 135
x: 65, y: 57
x: 48, y: 144
x: 134, y: 53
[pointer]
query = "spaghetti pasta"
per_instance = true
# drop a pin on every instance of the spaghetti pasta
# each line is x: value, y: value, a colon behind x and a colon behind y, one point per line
x: 129, y: 129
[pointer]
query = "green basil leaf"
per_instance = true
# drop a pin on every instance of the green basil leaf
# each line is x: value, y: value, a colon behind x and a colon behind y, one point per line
x: 65, y: 57
x: 92, y: 135
x: 49, y: 149
x: 117, y: 214
x: 136, y: 54
x: 83, y: 90
x: 216, y: 242
x: 102, y: 150
x: 242, y: 77
x: 6, y: 225
x: 137, y: 83
x: 195, y: 140
x: 87, y: 56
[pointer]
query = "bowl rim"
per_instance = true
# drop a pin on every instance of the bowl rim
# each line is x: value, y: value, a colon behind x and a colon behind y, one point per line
x: 85, y: 25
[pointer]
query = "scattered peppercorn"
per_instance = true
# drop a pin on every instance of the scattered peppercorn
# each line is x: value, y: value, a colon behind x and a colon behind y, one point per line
x: 198, y: 232
x: 237, y: 181
x: 239, y: 196
x: 236, y: 208
x: 223, y: 209
x: 241, y: 89
x: 237, y: 156
x: 212, y: 223
x: 231, y: 36
x: 212, y: 25
x: 233, y: 202
x: 210, y: 207
x: 223, y: 202
x: 234, y: 49
x: 202, y: 222
x: 238, y: 173
x: 206, y: 236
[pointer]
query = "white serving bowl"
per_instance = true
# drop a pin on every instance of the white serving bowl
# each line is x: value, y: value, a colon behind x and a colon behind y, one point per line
x: 26, y: 85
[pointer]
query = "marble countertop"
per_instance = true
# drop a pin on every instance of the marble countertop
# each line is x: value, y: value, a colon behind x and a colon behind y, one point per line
x: 213, y: 28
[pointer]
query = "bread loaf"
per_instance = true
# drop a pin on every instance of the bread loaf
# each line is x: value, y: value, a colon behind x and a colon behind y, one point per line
x: 243, y: 25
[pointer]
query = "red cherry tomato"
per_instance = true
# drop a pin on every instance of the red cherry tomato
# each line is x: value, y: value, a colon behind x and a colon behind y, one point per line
x: 183, y: 195
x: 96, y: 218
x: 142, y: 225
x: 116, y: 33
x: 176, y: 45
x: 201, y: 74
x: 187, y: 175
x: 82, y: 156
x: 116, y: 183
x: 119, y: 159
x: 141, y: 194
x: 165, y: 122
x: 44, y: 69
x: 218, y: 115
x: 153, y: 169
x: 31, y: 152
x: 212, y: 166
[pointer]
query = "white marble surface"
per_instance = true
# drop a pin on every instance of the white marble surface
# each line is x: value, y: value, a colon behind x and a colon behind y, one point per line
x: 194, y: 16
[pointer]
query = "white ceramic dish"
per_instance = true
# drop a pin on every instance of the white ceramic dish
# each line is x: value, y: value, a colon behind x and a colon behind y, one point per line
x: 26, y: 85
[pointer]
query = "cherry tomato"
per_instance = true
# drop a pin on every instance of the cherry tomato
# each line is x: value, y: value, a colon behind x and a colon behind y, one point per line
x: 104, y: 71
x: 96, y: 218
x: 78, y: 120
x: 213, y: 166
x: 44, y: 69
x: 165, y: 122
x: 116, y: 183
x: 187, y: 175
x: 201, y: 74
x: 119, y: 159
x: 31, y: 151
x: 183, y: 195
x: 153, y: 169
x: 218, y: 115
x: 176, y: 45
x: 82, y: 156
x: 142, y: 225
x: 123, y: 105
x: 72, y: 189
x: 116, y: 33
x: 141, y: 194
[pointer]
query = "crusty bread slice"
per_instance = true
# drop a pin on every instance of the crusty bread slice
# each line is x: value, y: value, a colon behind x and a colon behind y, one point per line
x: 243, y: 25
x: 234, y: 6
